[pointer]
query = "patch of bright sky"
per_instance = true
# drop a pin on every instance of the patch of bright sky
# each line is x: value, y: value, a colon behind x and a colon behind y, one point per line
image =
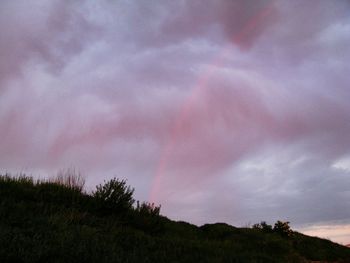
x: 337, y: 231
x: 342, y: 164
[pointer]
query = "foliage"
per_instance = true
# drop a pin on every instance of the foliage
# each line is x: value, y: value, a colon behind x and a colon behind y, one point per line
x: 263, y: 226
x: 147, y: 208
x: 52, y: 222
x: 70, y: 178
x: 114, y: 195
x: 283, y: 228
x: 146, y: 217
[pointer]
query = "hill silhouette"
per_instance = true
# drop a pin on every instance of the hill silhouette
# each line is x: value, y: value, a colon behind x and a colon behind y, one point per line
x: 56, y: 221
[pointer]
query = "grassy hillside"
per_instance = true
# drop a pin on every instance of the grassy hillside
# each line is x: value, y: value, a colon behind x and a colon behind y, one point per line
x: 57, y: 222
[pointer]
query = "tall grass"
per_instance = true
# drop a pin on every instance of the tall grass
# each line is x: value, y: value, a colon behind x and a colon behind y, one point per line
x: 19, y: 178
x: 70, y: 178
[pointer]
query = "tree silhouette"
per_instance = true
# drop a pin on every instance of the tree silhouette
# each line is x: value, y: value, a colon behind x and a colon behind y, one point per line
x: 114, y: 195
x: 283, y: 228
x: 263, y: 226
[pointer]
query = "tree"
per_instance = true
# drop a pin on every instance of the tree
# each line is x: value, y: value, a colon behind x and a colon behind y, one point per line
x: 263, y: 226
x: 283, y: 228
x: 114, y: 196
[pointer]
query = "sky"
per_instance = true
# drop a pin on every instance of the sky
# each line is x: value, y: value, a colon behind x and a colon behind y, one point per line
x: 230, y: 111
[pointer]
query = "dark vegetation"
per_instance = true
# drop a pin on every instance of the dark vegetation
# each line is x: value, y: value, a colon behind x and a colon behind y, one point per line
x: 56, y: 221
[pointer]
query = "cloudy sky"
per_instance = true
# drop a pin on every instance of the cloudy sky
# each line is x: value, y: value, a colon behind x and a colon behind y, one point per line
x: 225, y: 110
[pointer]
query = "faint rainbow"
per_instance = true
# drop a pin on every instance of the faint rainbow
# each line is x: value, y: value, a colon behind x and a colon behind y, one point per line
x: 185, y: 110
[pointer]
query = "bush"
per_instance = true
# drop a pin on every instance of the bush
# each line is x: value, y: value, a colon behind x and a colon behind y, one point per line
x: 283, y: 228
x: 114, y: 196
x: 147, y: 209
x: 263, y: 226
x: 146, y: 218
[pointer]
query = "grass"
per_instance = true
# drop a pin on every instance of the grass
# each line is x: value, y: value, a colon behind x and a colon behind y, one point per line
x: 56, y: 221
x: 71, y: 179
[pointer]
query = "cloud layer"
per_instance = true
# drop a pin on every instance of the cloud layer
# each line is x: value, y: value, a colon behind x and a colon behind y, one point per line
x: 231, y: 111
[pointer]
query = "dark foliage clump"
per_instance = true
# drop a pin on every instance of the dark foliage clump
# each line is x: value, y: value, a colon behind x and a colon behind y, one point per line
x: 283, y: 228
x: 263, y: 226
x: 114, y: 196
x: 146, y: 208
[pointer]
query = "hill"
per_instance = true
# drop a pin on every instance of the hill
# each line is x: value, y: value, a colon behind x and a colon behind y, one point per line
x: 55, y: 221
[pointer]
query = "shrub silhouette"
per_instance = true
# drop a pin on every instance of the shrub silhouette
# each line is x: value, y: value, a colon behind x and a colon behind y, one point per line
x: 149, y: 209
x: 280, y: 227
x: 147, y: 218
x: 283, y: 228
x: 114, y: 196
x: 263, y: 226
